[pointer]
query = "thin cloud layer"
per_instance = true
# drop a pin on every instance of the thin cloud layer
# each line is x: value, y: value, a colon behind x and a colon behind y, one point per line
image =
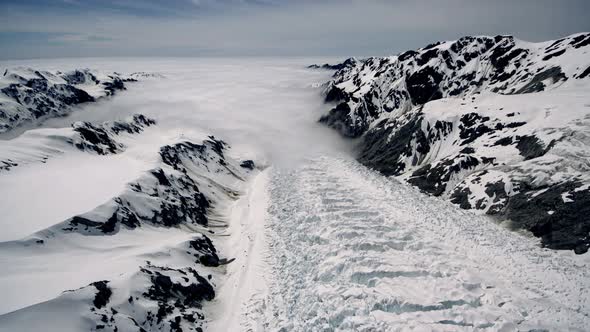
x: 43, y: 28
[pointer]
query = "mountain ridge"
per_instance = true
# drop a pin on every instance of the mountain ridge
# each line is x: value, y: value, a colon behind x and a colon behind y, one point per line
x: 30, y: 95
x: 479, y: 121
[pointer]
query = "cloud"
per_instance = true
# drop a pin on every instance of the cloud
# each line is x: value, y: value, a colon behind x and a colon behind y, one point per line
x: 280, y: 27
x: 78, y: 39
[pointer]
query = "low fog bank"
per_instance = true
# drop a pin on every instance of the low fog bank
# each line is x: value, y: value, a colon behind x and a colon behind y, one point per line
x: 265, y: 108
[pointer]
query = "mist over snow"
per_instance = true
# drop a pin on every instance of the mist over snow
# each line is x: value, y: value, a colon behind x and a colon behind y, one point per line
x: 269, y: 104
x: 265, y: 108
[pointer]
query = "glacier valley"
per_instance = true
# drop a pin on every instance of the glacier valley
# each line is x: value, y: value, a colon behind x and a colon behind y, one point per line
x: 205, y: 195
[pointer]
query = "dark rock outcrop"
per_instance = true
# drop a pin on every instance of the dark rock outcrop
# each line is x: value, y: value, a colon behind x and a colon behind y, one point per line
x: 247, y: 164
x: 103, y: 294
x: 161, y: 299
x: 559, y: 215
x: 102, y: 139
x: 346, y: 64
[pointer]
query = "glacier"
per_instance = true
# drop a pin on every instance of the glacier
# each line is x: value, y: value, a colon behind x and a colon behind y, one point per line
x: 206, y: 196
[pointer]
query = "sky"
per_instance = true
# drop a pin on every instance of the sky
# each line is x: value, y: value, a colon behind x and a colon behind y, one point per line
x: 209, y: 28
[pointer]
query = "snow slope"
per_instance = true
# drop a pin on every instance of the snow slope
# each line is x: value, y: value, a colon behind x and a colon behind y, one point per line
x: 41, y: 144
x: 492, y: 124
x: 155, y: 284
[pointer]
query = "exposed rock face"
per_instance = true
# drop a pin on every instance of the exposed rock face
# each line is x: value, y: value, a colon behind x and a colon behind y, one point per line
x: 102, y: 138
x: 490, y: 123
x: 27, y: 94
x: 248, y: 164
x: 557, y: 214
x: 141, y: 75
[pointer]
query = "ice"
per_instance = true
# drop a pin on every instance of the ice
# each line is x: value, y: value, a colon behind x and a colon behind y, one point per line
x: 320, y: 243
x: 349, y: 250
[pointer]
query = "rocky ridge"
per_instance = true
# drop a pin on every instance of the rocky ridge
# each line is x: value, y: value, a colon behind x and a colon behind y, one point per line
x: 493, y: 124
x: 29, y: 95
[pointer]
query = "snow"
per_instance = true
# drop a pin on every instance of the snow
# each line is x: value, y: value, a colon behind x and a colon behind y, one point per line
x: 508, y: 125
x: 320, y: 242
x: 30, y: 96
x: 58, y: 190
x: 55, y: 188
x: 351, y: 250
x: 192, y: 101
x: 76, y: 261
x: 245, y: 284
x: 564, y: 123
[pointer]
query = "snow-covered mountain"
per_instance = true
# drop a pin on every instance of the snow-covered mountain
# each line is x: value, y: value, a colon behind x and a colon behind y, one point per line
x: 38, y: 145
x: 493, y: 124
x: 115, y: 221
x: 154, y: 286
x: 158, y: 286
x: 27, y: 94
